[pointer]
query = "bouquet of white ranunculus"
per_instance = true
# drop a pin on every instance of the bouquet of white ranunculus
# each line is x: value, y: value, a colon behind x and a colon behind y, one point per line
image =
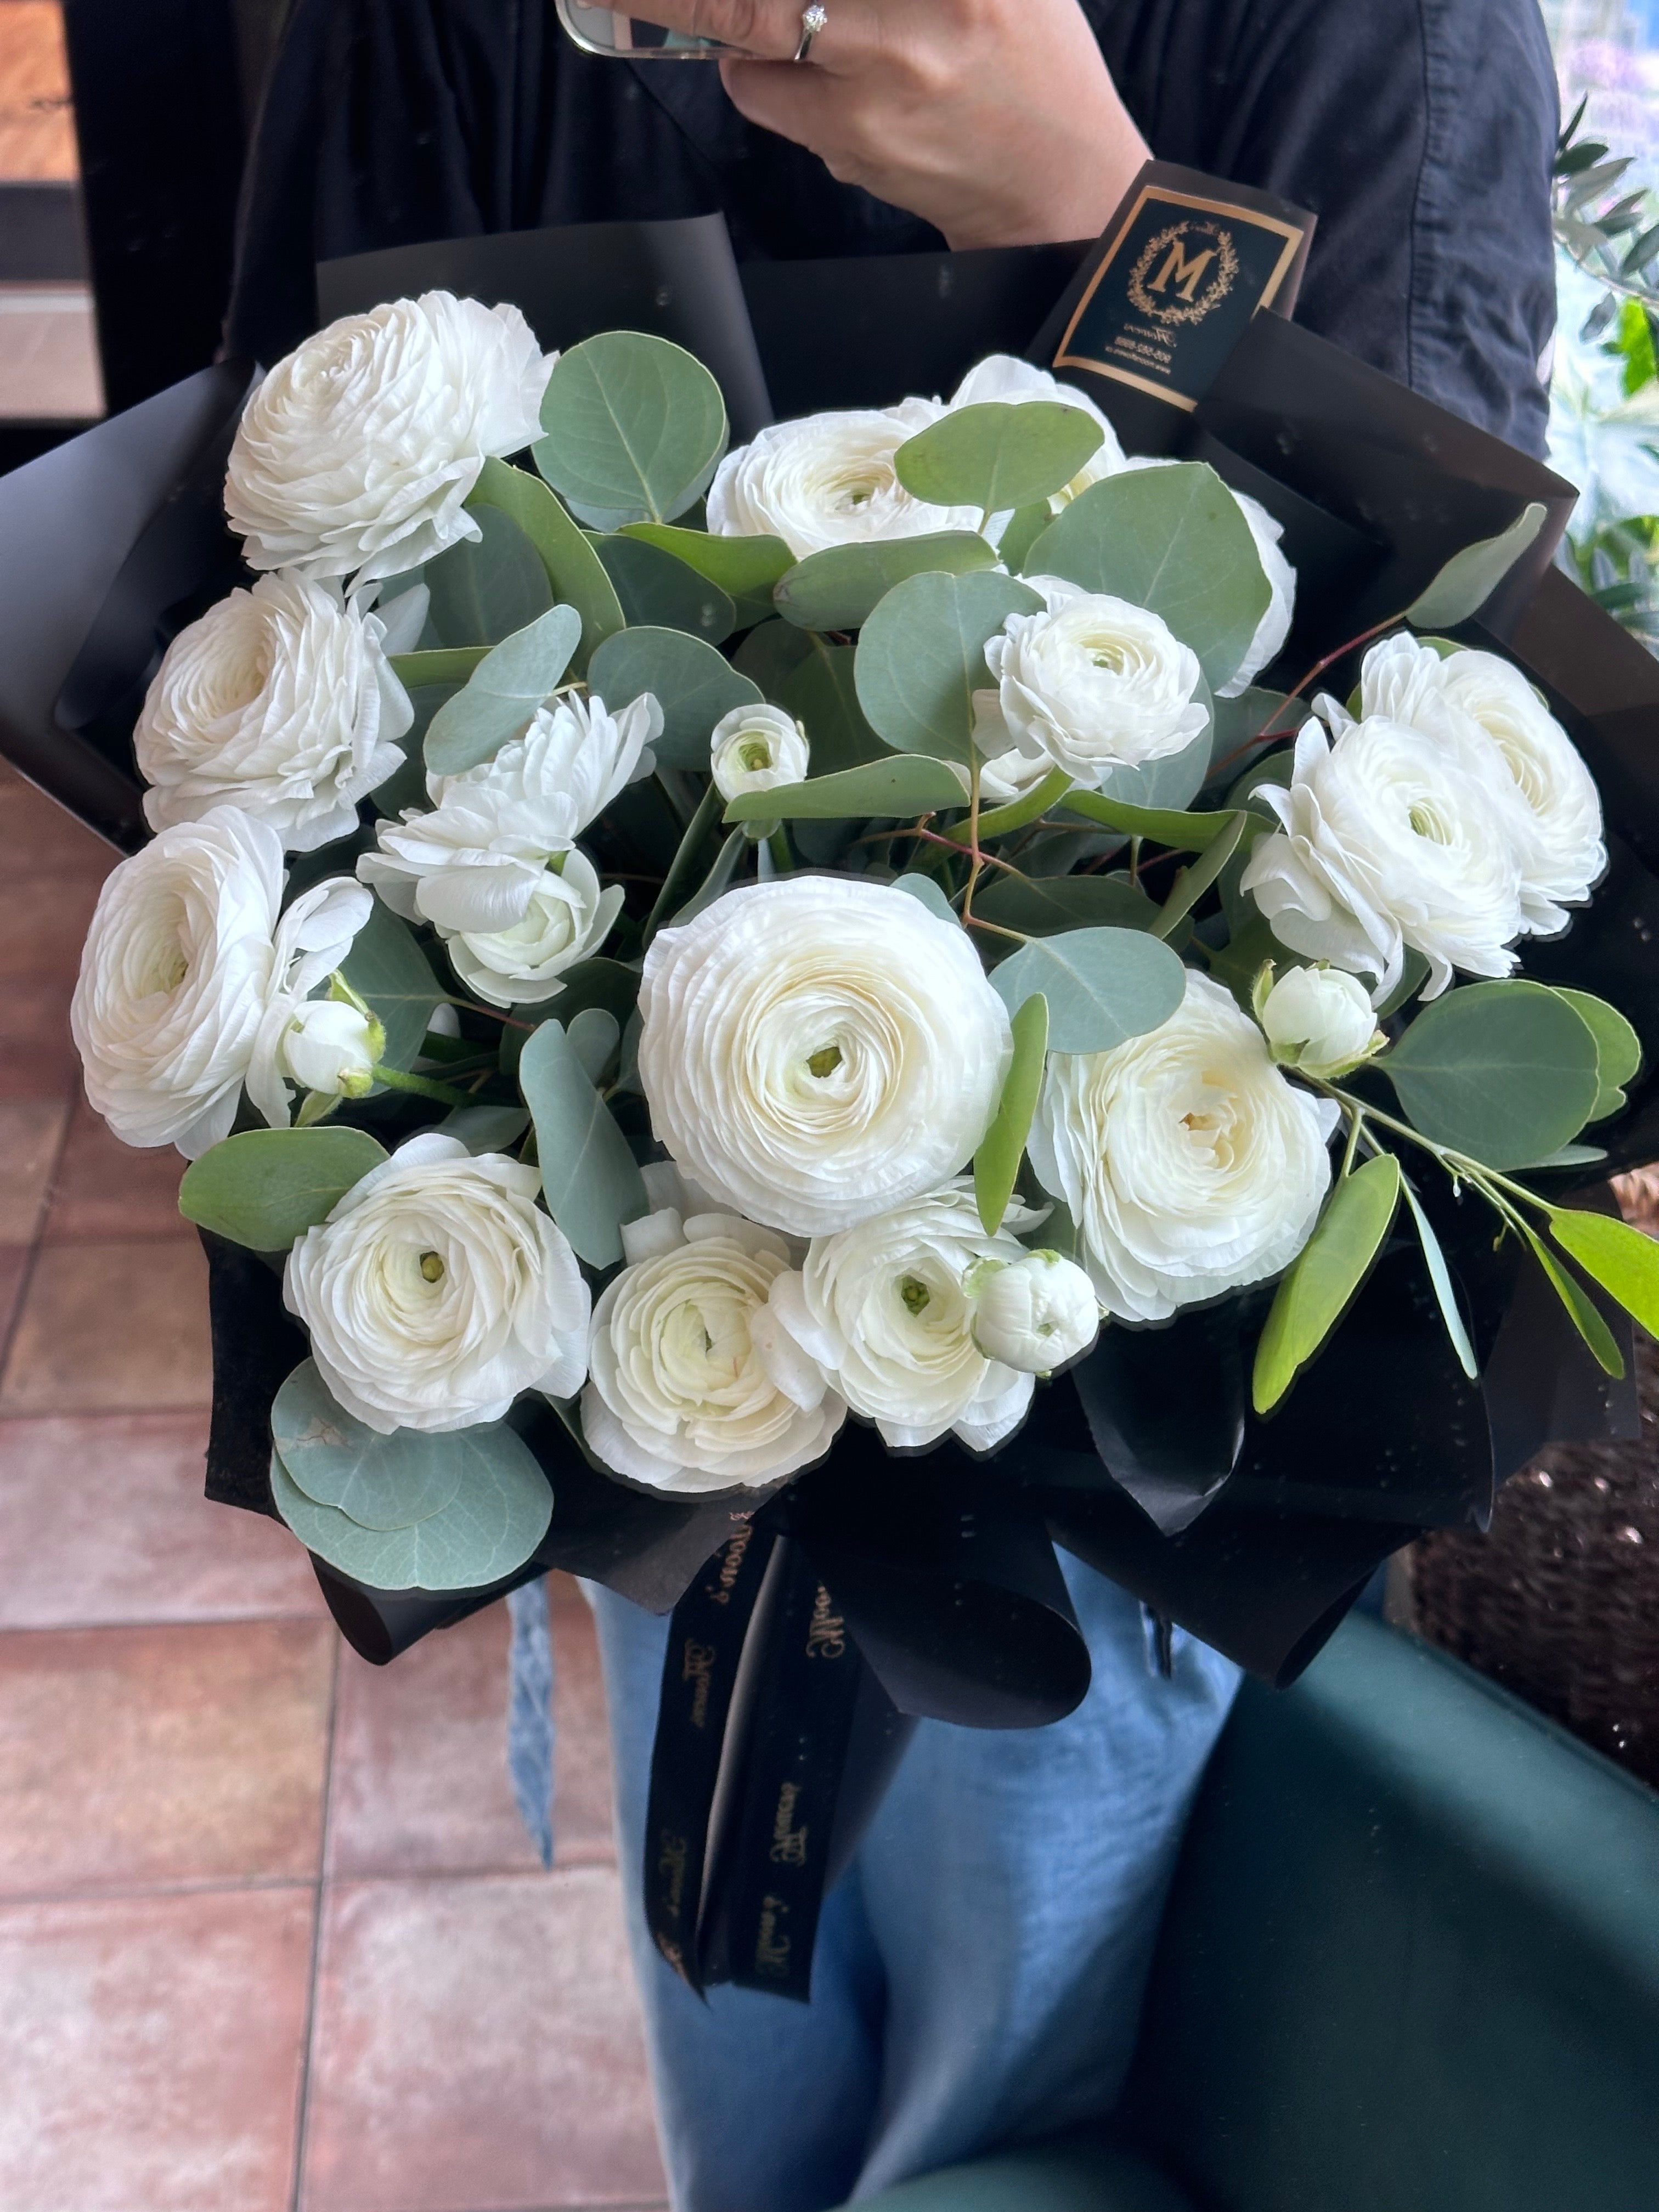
x: 790, y: 943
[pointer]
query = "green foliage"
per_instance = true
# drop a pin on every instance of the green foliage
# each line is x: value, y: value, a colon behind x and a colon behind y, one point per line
x: 996, y: 1164
x: 922, y: 658
x: 264, y: 1188
x: 929, y: 894
x: 1617, y: 563
x: 1182, y: 833
x: 1612, y: 238
x: 1045, y: 906
x: 379, y: 1481
x: 1469, y: 578
x: 1172, y: 539
x: 1026, y: 526
x: 502, y: 694
x: 1632, y: 343
x: 447, y: 665
x: 485, y: 588
x: 998, y: 455
x: 1190, y: 885
x: 599, y: 982
x: 1167, y: 784
x: 574, y: 569
x: 693, y: 683
x: 898, y: 787
x: 594, y: 1035
x: 1618, y: 1049
x: 815, y: 680
x: 1581, y: 1308
x: 1323, y: 1280
x: 1622, y: 1259
x: 1503, y: 1073
x: 633, y: 428
x: 1102, y: 985
x: 485, y: 1128
x: 387, y: 968
x: 745, y: 568
x: 589, y: 1178
x: 1444, y: 1295
x: 660, y: 588
x: 841, y: 587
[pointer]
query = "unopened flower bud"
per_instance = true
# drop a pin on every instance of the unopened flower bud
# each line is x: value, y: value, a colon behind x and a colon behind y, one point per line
x: 1033, y: 1314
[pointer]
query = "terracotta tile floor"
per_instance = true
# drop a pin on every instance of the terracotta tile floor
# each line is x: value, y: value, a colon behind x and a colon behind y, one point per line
x: 271, y: 1936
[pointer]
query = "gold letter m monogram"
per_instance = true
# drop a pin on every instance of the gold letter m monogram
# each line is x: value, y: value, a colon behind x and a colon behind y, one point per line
x: 1186, y: 275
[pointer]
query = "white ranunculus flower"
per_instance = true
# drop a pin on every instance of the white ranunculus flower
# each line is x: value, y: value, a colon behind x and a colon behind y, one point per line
x: 280, y: 700
x: 757, y: 749
x: 828, y: 480
x: 1093, y: 684
x: 679, y: 1396
x: 1274, y: 627
x: 186, y: 967
x: 1318, y: 1019
x: 884, y: 1311
x: 1390, y: 838
x: 437, y: 1290
x: 817, y: 1049
x: 312, y: 939
x: 1559, y: 827
x: 1035, y: 1313
x: 1002, y: 377
x: 332, y: 1048
x: 355, y: 455
x: 567, y: 918
x: 1190, y: 1164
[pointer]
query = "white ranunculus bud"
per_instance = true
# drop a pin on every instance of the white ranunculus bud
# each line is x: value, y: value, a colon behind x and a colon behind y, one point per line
x: 1558, y: 828
x: 187, y: 972
x: 1317, y: 1019
x: 333, y: 1047
x: 280, y: 700
x: 1033, y: 1314
x: 884, y: 1312
x: 817, y: 1049
x: 679, y: 1396
x: 828, y: 480
x: 1390, y: 838
x: 757, y: 749
x: 1094, y: 683
x: 437, y: 1290
x: 355, y: 455
x: 1002, y: 377
x: 1190, y: 1165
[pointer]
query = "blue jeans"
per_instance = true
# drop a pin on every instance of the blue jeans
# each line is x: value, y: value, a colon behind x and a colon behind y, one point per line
x: 980, y: 1966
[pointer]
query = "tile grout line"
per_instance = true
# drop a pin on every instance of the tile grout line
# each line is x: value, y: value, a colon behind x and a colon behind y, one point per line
x: 26, y: 1279
x: 303, y: 2111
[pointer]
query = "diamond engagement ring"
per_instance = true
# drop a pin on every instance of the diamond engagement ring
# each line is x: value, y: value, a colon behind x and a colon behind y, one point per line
x: 813, y: 22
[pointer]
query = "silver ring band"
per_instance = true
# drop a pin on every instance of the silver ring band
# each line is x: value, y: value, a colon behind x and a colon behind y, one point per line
x: 813, y: 22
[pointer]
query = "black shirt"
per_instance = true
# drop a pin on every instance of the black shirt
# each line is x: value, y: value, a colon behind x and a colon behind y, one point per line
x: 1419, y: 131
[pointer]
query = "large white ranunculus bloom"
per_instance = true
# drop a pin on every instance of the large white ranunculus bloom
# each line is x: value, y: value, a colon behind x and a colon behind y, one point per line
x: 1390, y: 838
x: 679, y: 1396
x: 493, y: 866
x: 1318, y: 1019
x: 280, y: 700
x: 1559, y: 829
x: 1003, y: 377
x: 437, y: 1290
x: 884, y: 1312
x: 757, y: 749
x: 1093, y: 684
x: 828, y: 480
x: 185, y: 965
x: 1190, y: 1164
x: 819, y: 1050
x: 355, y: 455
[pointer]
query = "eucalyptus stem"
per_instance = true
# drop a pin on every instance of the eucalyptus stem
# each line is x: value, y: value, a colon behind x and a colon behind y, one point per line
x: 1487, y: 1180
x: 1356, y: 1123
x: 422, y: 1086
x: 978, y: 859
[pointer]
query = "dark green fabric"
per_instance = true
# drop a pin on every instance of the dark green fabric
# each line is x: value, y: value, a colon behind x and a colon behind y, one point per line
x: 1411, y: 1962
x: 1087, y: 2174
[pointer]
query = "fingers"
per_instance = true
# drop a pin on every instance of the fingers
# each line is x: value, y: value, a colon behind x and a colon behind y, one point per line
x: 768, y: 28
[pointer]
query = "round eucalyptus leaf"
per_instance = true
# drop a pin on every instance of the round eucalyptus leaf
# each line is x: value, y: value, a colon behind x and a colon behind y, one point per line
x: 1505, y: 1072
x: 745, y: 568
x: 1104, y: 985
x: 634, y: 429
x: 1048, y: 906
x: 998, y: 455
x: 660, y: 588
x: 485, y: 1128
x: 1171, y: 539
x: 264, y: 1188
x: 692, y: 683
x: 379, y: 1481
x: 486, y: 587
x: 386, y: 967
x: 502, y: 693
x: 841, y: 587
x: 500, y: 1512
x: 922, y: 658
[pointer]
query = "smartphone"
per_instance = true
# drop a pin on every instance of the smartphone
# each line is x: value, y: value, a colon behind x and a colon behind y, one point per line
x: 609, y: 31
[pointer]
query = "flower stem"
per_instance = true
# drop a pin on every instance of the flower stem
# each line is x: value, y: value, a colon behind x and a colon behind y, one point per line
x: 1356, y: 1123
x: 978, y: 858
x: 778, y: 845
x: 422, y: 1086
x: 1318, y: 669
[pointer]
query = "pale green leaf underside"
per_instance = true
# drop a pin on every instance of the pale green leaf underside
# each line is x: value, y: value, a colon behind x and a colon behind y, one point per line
x: 922, y: 658
x: 589, y: 1177
x: 264, y: 1188
x: 503, y: 692
x: 381, y: 1482
x: 1622, y: 1259
x: 499, y: 1514
x: 1102, y: 985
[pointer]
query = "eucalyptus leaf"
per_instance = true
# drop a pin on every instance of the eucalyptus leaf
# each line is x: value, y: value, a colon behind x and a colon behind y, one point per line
x: 1165, y: 785
x: 1182, y: 833
x: 727, y: 861
x: 1573, y: 1156
x: 1173, y: 540
x: 1581, y: 1307
x: 484, y: 1128
x: 498, y: 1515
x: 502, y: 693
x: 264, y: 1188
x: 1191, y: 883
x: 574, y: 569
x: 449, y: 665
x: 658, y: 588
x: 996, y: 1164
x: 693, y: 684
x: 1102, y: 985
x: 1505, y: 1072
x: 589, y: 1177
x: 1024, y: 526
x: 841, y: 587
x: 929, y: 894
x: 408, y: 788
x: 484, y: 588
x: 999, y: 454
x: 922, y: 658
x: 1469, y: 578
x: 899, y: 786
x: 1622, y: 1259
x: 1414, y: 974
x: 815, y: 680
x: 1044, y: 906
x: 381, y: 1482
x: 745, y: 568
x: 1444, y: 1294
x: 1237, y: 726
x: 1322, y: 1281
x: 633, y: 429
x: 594, y: 1035
x: 387, y: 968
x: 1618, y: 1049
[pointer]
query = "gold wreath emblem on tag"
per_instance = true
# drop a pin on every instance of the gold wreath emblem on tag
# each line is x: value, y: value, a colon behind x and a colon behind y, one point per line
x: 1184, y: 272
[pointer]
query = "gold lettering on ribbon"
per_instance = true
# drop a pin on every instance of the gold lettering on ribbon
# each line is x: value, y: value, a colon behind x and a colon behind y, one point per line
x: 697, y: 1667
x: 1186, y: 275
x: 826, y: 1633
x: 670, y: 1864
x: 772, y: 1949
x: 788, y: 1841
x: 1186, y: 287
x: 719, y: 1592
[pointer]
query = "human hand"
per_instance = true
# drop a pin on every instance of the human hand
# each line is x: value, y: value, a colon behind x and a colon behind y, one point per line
x: 995, y: 121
